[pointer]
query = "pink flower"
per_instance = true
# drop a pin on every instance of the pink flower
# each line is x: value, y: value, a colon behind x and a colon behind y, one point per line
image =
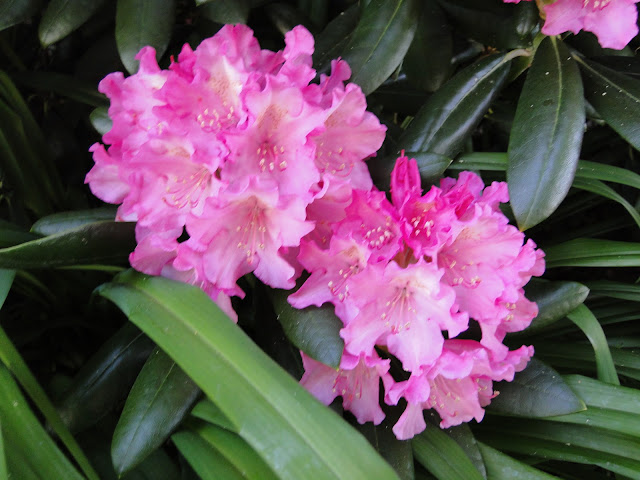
x: 612, y: 21
x: 357, y: 381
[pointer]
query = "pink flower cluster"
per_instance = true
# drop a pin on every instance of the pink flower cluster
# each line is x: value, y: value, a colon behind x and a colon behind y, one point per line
x: 612, y: 21
x: 400, y: 274
x: 224, y: 159
x: 232, y: 162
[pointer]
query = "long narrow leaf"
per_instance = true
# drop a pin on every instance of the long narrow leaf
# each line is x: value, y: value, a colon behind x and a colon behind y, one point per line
x: 599, y: 188
x: 293, y: 432
x: 593, y: 252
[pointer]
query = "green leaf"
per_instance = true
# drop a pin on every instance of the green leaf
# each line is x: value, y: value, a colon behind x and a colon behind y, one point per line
x: 380, y: 41
x: 314, y: 330
x: 332, y: 40
x: 105, y: 379
x: 589, y: 325
x: 593, y: 252
x: 100, y: 120
x: 492, y: 23
x: 604, y: 395
x: 11, y: 234
x: 537, y: 391
x: 23, y: 432
x: 561, y: 441
x: 13, y: 12
x: 442, y: 456
x: 79, y: 90
x: 97, y: 242
x: 432, y: 45
x: 449, y: 117
x: 545, y: 140
x: 61, y: 17
x: 208, y: 411
x: 64, y: 221
x: 616, y: 97
x: 10, y: 357
x: 305, y: 439
x: 6, y: 280
x: 463, y: 436
x: 207, y: 462
x: 227, y: 11
x: 599, y: 188
x: 613, y: 420
x: 159, y: 399
x: 554, y: 299
x: 621, y: 290
x: 140, y: 23
x: 607, y: 173
x: 4, y: 473
x: 236, y: 451
x: 503, y: 467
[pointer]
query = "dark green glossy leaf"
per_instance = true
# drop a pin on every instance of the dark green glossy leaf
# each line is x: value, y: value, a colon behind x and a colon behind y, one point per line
x: 613, y: 420
x: 251, y: 390
x: 430, y: 165
x: 6, y: 280
x: 493, y: 23
x: 380, y: 41
x: 98, y: 242
x: 159, y: 399
x: 398, y: 453
x: 545, y: 141
x: 537, y: 391
x: 432, y: 45
x: 442, y: 456
x: 13, y: 12
x: 607, y: 173
x: 79, y: 90
x: 227, y: 11
x: 236, y: 451
x: 22, y: 430
x: 554, y: 299
x: 449, y: 117
x: 314, y: 330
x: 105, y: 379
x: 63, y: 221
x: 11, y: 234
x: 616, y: 97
x: 589, y: 325
x: 100, y: 120
x: 599, y: 188
x: 620, y: 63
x: 331, y: 42
x: 593, y: 252
x: 61, y: 17
x: 140, y: 23
x: 503, y: 467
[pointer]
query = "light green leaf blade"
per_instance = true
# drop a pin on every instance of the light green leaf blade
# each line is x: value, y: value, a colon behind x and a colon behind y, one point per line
x: 607, y: 173
x: 545, y: 140
x: 380, y: 41
x: 61, y: 17
x: 620, y: 290
x: 593, y: 252
x: 6, y: 280
x: 589, y: 325
x: 599, y: 188
x: 63, y: 221
x: 503, y: 467
x: 159, y: 399
x: 4, y: 473
x: 140, y: 23
x: 604, y: 395
x: 207, y: 462
x: 100, y: 120
x: 208, y: 411
x: 304, y: 440
x: 442, y: 456
x: 23, y: 431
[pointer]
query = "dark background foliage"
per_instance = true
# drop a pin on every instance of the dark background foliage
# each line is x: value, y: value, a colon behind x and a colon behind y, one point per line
x: 460, y: 84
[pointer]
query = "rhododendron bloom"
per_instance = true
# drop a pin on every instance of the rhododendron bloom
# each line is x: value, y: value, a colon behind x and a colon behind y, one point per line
x: 218, y: 158
x: 612, y: 21
x: 406, y: 277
